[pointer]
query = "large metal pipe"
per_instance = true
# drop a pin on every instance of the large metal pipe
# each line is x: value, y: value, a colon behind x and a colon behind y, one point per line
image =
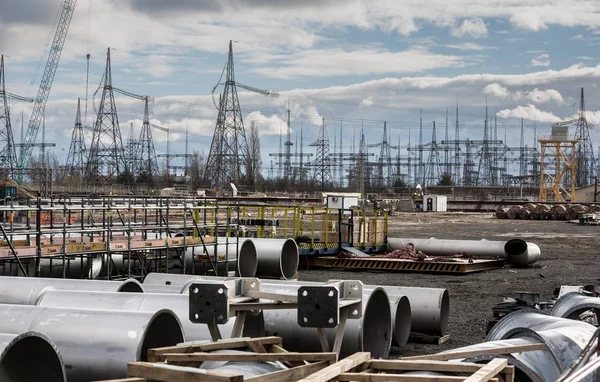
x: 242, y: 257
x: 142, y: 302
x: 277, y: 258
x: 31, y: 357
x: 517, y: 252
x: 401, y: 315
x: 573, y: 304
x: 26, y: 290
x: 157, y: 278
x: 371, y: 333
x: 95, y: 344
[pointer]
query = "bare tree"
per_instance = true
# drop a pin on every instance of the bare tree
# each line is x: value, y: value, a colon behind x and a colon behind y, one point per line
x: 197, y: 164
x: 254, y: 158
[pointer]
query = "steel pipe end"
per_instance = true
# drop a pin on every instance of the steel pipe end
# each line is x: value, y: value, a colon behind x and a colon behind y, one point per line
x: 132, y: 286
x: 401, y: 321
x: 95, y: 266
x: 521, y: 253
x: 376, y: 333
x: 290, y: 258
x: 444, y: 312
x: 163, y: 329
x: 31, y: 357
x: 247, y: 259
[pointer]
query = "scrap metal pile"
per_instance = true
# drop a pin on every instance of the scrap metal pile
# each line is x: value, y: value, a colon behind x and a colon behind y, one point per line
x: 408, y: 252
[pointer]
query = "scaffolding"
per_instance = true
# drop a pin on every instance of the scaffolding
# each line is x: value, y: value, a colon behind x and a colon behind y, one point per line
x: 558, y: 166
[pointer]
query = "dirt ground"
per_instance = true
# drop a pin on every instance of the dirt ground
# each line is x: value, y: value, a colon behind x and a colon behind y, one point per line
x: 570, y: 255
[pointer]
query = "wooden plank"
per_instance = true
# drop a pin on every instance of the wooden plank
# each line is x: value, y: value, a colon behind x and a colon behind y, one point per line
x: 462, y: 367
x: 509, y: 374
x: 363, y: 377
x: 170, y: 373
x: 472, y: 353
x: 250, y: 357
x: 156, y: 354
x: 292, y: 374
x: 428, y: 339
x: 488, y: 371
x: 131, y: 379
x: 334, y: 370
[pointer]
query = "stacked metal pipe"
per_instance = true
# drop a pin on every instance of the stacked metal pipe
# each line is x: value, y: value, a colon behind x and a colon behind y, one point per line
x: 517, y: 252
x: 30, y: 356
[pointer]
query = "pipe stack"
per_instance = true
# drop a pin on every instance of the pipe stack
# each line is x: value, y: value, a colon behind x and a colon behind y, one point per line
x: 543, y: 211
x: 517, y: 252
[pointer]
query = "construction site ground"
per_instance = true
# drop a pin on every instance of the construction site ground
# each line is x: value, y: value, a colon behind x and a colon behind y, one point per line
x: 570, y: 256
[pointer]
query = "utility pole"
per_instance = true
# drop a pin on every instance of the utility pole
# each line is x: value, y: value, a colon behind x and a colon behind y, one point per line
x: 322, y: 163
x: 148, y: 165
x: 75, y: 165
x: 586, y: 166
x: 8, y: 154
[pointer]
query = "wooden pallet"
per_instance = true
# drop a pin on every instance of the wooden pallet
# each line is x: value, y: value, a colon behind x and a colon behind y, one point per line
x: 180, y: 364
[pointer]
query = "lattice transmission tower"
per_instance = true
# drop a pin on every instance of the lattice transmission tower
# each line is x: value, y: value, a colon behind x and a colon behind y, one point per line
x: 322, y: 163
x: 147, y: 163
x: 106, y: 160
x: 75, y: 165
x: 586, y: 162
x: 228, y: 155
x: 8, y: 155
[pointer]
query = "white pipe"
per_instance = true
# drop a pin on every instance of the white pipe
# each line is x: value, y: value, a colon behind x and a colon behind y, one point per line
x: 30, y: 357
x: 277, y: 258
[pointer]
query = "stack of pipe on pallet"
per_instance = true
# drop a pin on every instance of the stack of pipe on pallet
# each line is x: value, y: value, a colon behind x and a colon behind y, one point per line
x: 30, y: 356
x: 26, y: 290
x: 517, y: 252
x: 546, y: 211
x: 95, y: 344
x: 564, y: 339
x: 372, y: 332
x: 421, y: 310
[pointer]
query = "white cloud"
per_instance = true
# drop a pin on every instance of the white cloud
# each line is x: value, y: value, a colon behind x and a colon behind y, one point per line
x: 536, y: 95
x: 541, y: 60
x: 496, y: 90
x: 586, y: 58
x: 577, y: 37
x: 469, y: 46
x: 338, y: 62
x: 474, y: 27
x: 366, y: 102
x: 267, y: 125
x: 529, y: 112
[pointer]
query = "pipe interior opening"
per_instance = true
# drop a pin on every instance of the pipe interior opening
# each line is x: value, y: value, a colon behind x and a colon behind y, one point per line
x: 289, y: 259
x: 515, y: 247
x: 377, y: 325
x: 132, y: 286
x: 163, y: 329
x: 254, y: 326
x: 444, y: 312
x: 402, y: 321
x: 32, y: 359
x: 247, y: 259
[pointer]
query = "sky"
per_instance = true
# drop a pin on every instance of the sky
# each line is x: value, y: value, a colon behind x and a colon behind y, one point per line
x: 355, y: 63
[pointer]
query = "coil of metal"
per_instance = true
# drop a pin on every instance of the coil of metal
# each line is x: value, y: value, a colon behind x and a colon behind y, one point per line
x: 575, y: 211
x: 95, y: 344
x: 371, y: 333
x: 564, y: 339
x: 501, y: 213
x: 517, y: 252
x: 558, y: 212
x: 513, y: 212
x: 524, y: 214
x: 30, y: 356
x: 277, y: 258
x: 542, y: 212
x: 572, y: 305
x: 595, y: 209
x: 142, y: 302
x: 26, y: 290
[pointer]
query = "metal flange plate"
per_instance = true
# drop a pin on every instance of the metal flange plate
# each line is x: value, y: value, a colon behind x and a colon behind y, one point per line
x: 318, y: 306
x: 209, y: 303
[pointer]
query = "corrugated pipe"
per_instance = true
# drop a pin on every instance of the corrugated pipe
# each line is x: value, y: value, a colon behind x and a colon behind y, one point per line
x: 95, y: 344
x: 517, y: 252
x: 142, y: 302
x: 30, y: 357
x: 573, y: 304
x: 26, y: 290
x: 564, y: 339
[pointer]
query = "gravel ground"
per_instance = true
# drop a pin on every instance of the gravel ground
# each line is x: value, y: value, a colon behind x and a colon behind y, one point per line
x: 569, y: 253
